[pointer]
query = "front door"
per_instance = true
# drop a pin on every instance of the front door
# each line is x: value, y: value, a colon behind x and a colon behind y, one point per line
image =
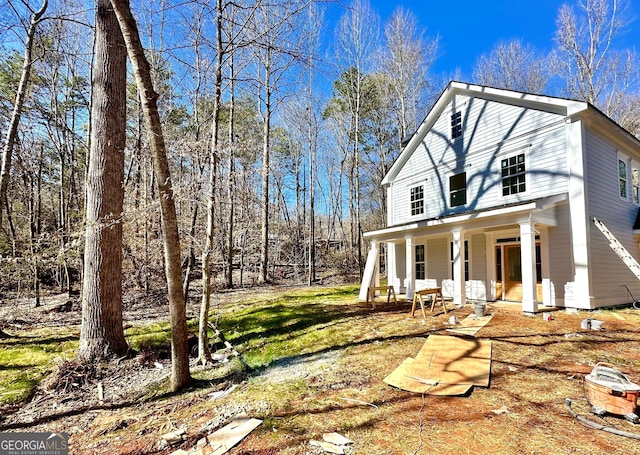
x: 513, y: 273
x: 509, y: 277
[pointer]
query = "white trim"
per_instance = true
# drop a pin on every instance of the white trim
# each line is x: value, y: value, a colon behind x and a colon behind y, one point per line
x: 534, y: 206
x: 622, y: 158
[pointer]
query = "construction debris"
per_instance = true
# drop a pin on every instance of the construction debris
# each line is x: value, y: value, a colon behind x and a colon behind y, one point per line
x: 337, y: 439
x: 218, y: 442
x: 445, y: 366
x: 174, y: 437
x: 500, y: 411
x: 327, y: 446
x: 228, y: 436
x: 332, y: 443
x: 222, y: 393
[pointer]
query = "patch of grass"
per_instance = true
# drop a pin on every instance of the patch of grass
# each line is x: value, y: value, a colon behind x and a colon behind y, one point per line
x: 300, y: 322
x: 27, y: 357
x: 156, y: 336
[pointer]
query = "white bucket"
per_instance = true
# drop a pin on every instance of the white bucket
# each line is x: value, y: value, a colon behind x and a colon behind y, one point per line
x: 453, y: 320
x: 478, y: 309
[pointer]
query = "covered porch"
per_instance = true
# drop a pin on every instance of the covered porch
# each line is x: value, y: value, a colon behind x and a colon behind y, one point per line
x: 493, y: 255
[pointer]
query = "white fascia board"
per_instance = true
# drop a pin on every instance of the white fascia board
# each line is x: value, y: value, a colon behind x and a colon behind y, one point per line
x: 396, y: 232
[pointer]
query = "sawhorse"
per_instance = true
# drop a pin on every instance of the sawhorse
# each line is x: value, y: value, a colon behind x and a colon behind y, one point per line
x: 371, y: 294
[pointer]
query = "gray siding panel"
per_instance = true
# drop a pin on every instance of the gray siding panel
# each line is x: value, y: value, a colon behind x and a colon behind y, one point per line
x: 608, y: 272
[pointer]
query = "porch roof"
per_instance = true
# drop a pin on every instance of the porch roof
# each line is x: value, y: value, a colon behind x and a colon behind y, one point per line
x: 537, y: 210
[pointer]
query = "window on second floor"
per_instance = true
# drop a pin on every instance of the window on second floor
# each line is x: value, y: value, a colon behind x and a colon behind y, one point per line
x: 458, y: 189
x: 513, y: 175
x: 420, y: 262
x: 417, y: 200
x: 635, y: 184
x: 456, y: 125
x: 622, y: 178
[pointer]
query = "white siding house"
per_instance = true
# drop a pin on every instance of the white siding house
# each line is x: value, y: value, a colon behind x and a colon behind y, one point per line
x: 493, y: 199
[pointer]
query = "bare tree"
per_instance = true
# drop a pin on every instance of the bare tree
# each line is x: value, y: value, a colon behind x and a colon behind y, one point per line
x: 593, y: 70
x: 405, y: 63
x: 356, y: 37
x: 515, y: 66
x: 204, y: 356
x: 276, y: 49
x: 14, y: 122
x: 102, y: 333
x: 180, y: 375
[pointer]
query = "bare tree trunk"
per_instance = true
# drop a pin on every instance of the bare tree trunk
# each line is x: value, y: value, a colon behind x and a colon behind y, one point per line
x: 264, y: 206
x: 230, y: 184
x: 12, y: 132
x: 180, y: 375
x: 191, y: 259
x: 312, y: 193
x: 204, y: 356
x: 102, y: 333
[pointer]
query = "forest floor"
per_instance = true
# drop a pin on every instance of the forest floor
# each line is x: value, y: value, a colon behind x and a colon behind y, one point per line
x: 319, y: 359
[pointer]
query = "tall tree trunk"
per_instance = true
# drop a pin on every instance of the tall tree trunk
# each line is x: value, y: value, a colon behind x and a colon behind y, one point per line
x: 230, y: 184
x: 12, y: 132
x: 204, y: 356
x: 180, y: 375
x: 264, y: 206
x: 102, y: 334
x: 312, y: 193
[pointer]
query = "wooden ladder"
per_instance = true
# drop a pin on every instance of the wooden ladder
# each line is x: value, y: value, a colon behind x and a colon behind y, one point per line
x: 620, y: 250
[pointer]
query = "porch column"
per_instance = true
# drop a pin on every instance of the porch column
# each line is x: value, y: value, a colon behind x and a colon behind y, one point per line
x: 375, y: 281
x: 459, y: 285
x: 410, y: 256
x: 528, y: 266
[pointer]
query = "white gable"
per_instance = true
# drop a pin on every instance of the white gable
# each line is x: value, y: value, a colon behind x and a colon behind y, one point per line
x: 464, y: 97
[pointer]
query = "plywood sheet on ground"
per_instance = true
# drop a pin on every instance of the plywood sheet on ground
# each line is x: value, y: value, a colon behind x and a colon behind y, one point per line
x: 471, y: 325
x: 453, y: 360
x: 398, y: 378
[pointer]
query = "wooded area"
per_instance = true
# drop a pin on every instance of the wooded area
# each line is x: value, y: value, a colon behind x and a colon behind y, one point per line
x: 244, y: 145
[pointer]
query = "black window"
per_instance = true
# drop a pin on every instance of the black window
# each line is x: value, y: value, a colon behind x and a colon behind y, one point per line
x: 458, y: 189
x: 417, y: 200
x: 456, y: 125
x: 513, y: 175
x: 420, y: 269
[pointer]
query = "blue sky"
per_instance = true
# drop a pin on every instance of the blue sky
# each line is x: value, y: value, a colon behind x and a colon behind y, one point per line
x: 470, y: 28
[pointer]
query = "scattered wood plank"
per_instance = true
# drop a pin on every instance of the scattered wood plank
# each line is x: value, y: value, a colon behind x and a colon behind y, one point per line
x: 471, y: 325
x: 228, y: 436
x: 337, y: 439
x: 327, y: 446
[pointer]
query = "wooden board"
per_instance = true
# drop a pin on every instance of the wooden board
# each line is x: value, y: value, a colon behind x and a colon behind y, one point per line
x: 399, y: 378
x: 228, y: 436
x: 453, y: 360
x: 471, y: 325
x: 445, y: 365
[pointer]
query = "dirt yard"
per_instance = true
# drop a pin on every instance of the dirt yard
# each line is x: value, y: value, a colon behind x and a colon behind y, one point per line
x: 535, y: 365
